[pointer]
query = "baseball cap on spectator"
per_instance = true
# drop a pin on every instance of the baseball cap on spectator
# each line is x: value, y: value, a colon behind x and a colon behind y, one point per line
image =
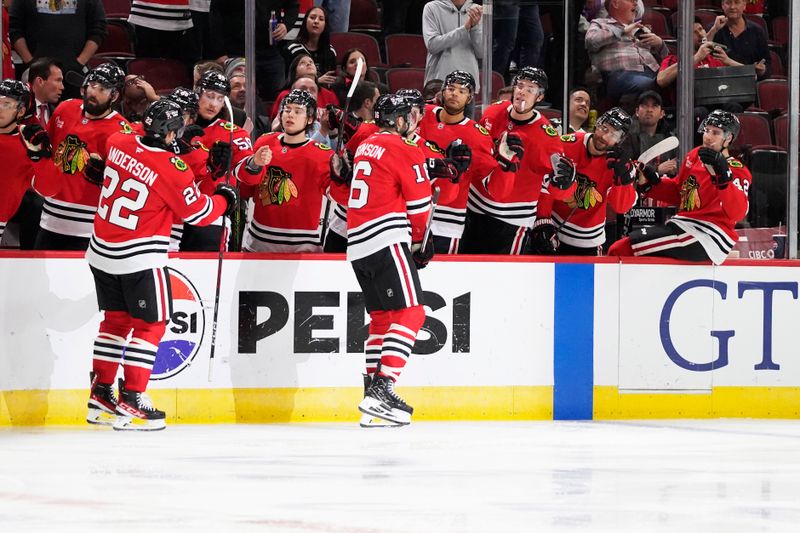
x: 650, y: 95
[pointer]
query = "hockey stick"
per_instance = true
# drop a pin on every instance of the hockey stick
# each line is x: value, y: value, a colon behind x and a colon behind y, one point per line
x: 350, y: 91
x: 660, y: 148
x: 434, y: 201
x: 219, y: 259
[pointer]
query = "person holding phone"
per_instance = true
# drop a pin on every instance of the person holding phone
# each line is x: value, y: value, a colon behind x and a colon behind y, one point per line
x: 314, y: 39
x: 746, y: 42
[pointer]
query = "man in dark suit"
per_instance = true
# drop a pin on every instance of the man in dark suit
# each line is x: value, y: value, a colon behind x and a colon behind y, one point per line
x: 47, y: 83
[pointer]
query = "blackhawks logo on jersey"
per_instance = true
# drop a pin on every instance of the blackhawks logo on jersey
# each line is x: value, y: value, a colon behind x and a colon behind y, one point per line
x: 409, y: 142
x: 733, y: 163
x: 179, y: 163
x: 550, y: 130
x: 322, y: 146
x: 277, y: 187
x: 481, y: 129
x: 71, y: 155
x: 228, y: 126
x: 586, y: 195
x: 690, y: 195
x: 569, y: 138
x: 433, y: 147
x: 125, y: 127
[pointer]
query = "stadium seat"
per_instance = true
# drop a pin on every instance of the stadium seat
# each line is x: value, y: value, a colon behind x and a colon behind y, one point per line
x: 657, y: 22
x: 780, y: 30
x: 776, y: 66
x: 550, y: 113
x: 161, y: 73
x: 760, y: 22
x: 405, y: 50
x: 755, y: 132
x: 364, y: 17
x: 118, y: 42
x: 366, y: 43
x: 767, y: 192
x: 96, y: 61
x: 405, y: 78
x: 780, y: 125
x: 773, y: 96
x: 117, y: 9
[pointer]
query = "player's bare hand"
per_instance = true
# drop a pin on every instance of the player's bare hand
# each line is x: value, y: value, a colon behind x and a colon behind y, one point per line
x: 670, y: 166
x: 280, y: 32
x: 328, y: 78
x: 630, y: 29
x: 651, y: 40
x: 262, y: 156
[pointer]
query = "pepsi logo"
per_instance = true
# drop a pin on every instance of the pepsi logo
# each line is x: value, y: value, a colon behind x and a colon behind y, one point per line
x: 184, y: 335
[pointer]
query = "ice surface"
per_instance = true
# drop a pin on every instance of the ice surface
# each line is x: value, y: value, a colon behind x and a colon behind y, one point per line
x: 711, y: 476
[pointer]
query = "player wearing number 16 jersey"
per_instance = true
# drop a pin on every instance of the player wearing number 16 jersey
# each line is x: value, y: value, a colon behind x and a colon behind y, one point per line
x: 390, y: 202
x: 145, y: 186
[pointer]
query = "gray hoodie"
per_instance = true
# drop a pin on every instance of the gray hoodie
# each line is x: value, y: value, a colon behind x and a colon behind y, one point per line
x: 450, y: 46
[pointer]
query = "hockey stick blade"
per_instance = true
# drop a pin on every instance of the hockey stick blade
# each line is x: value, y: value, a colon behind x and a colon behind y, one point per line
x: 350, y: 91
x: 660, y: 148
x: 427, y: 235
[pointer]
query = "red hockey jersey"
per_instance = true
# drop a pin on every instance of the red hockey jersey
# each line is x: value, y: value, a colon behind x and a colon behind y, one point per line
x: 581, y: 218
x: 540, y: 140
x: 71, y: 209
x: 220, y: 130
x: 390, y: 195
x: 704, y: 211
x: 290, y: 201
x: 449, y: 217
x: 144, y: 188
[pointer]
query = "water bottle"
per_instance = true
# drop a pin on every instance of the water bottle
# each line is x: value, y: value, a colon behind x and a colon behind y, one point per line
x: 273, y: 23
x: 591, y: 120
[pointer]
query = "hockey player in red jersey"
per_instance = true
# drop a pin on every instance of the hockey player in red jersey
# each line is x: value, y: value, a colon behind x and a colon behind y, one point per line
x: 498, y: 224
x: 213, y: 87
x: 495, y: 168
x: 26, y: 151
x: 390, y: 202
x: 605, y: 176
x: 710, y: 191
x: 144, y: 184
x: 79, y: 131
x: 290, y: 201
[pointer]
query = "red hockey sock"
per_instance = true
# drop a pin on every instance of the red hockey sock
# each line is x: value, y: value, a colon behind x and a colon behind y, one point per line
x: 379, y: 322
x: 140, y: 354
x: 399, y: 340
x: 109, y: 344
x: 621, y: 248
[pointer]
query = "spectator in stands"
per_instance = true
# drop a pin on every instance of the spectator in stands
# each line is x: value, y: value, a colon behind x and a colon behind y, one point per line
x: 647, y: 129
x: 137, y: 94
x: 706, y: 55
x: 47, y: 83
x: 580, y: 102
x: 237, y: 76
x: 320, y: 131
x: 304, y: 66
x: 505, y: 94
x: 745, y: 40
x: 163, y: 29
x: 348, y: 67
x: 624, y: 51
x: 69, y: 32
x: 239, y: 117
x: 530, y: 37
x: 314, y: 39
x: 338, y: 14
x: 226, y: 19
x: 6, y: 65
x: 453, y: 36
x: 593, y: 9
x: 432, y: 91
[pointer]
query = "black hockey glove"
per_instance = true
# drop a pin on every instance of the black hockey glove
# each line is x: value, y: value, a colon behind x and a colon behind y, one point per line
x: 442, y: 169
x: 460, y: 155
x: 219, y: 159
x: 94, y: 170
x: 36, y: 141
x: 717, y: 165
x: 509, y: 152
x: 563, y: 175
x: 231, y: 195
x: 341, y: 168
x: 422, y: 257
x: 347, y: 125
x: 184, y: 143
x: 544, y: 237
x: 648, y: 179
x: 620, y: 162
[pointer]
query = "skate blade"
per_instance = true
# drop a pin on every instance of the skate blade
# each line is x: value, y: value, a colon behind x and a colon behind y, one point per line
x: 369, y: 421
x: 375, y: 408
x: 100, y: 417
x: 130, y: 423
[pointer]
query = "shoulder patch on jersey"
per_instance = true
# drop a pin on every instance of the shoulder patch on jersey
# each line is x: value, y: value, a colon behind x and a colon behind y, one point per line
x: 409, y: 142
x: 569, y: 138
x: 322, y: 146
x: 228, y: 126
x: 550, y: 130
x: 735, y: 163
x: 126, y: 128
x: 433, y: 147
x: 482, y: 129
x: 179, y: 163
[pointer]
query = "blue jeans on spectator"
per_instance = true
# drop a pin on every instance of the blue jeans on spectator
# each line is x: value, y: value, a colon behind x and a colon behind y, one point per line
x: 619, y: 82
x: 338, y: 14
x: 504, y: 33
x: 530, y: 35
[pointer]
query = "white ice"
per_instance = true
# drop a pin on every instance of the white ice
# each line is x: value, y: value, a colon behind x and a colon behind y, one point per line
x: 677, y: 476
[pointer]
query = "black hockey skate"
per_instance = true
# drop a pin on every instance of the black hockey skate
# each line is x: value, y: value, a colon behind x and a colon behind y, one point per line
x: 369, y: 421
x: 382, y: 402
x: 102, y: 402
x: 135, y: 412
